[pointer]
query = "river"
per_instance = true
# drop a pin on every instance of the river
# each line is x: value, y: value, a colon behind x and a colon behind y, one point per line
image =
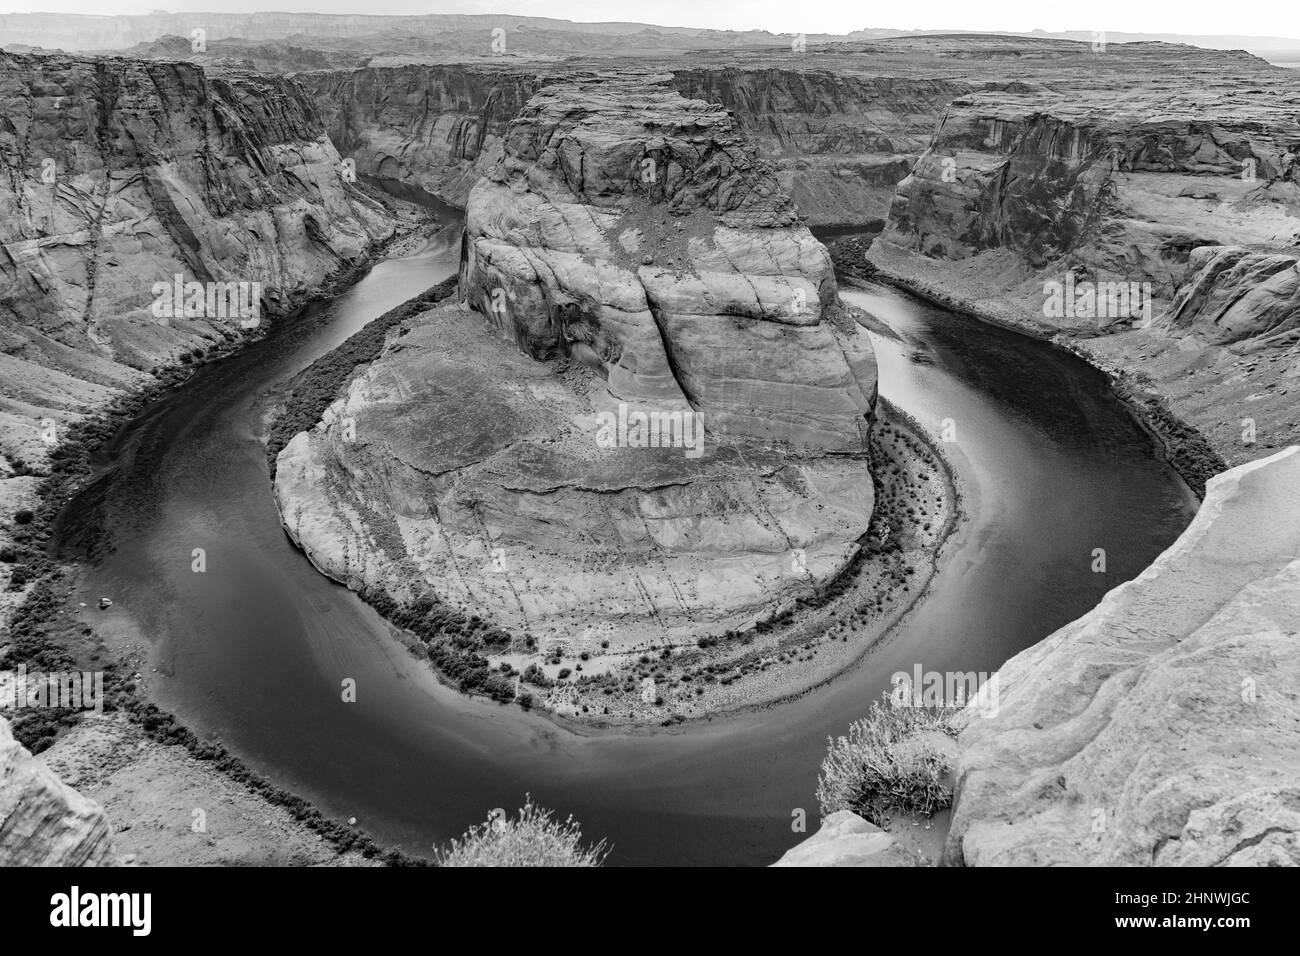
x: 250, y: 651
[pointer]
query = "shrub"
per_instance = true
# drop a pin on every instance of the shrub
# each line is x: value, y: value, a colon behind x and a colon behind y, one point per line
x: 533, y: 838
x: 23, y: 517
x: 885, y: 765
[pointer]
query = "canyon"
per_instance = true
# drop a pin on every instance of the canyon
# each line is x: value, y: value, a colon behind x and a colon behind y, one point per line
x: 639, y: 240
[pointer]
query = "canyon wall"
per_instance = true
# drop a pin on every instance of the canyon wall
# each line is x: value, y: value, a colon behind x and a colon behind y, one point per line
x: 437, y: 127
x: 116, y: 175
x: 841, y: 142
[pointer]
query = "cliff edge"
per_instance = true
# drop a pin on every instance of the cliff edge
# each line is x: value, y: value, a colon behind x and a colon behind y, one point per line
x: 1162, y: 728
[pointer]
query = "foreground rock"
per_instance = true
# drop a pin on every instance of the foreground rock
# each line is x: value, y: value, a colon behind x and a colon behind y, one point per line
x: 42, y: 821
x: 1163, y: 728
x: 845, y: 839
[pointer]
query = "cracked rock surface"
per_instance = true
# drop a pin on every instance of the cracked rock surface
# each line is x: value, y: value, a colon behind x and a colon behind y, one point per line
x: 1163, y: 727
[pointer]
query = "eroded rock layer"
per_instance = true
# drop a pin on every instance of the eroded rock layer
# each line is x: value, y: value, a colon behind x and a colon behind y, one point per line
x: 118, y: 174
x: 1162, y: 728
x: 637, y: 230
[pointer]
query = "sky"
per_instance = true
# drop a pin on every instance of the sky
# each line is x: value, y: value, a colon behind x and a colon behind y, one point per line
x: 1259, y: 18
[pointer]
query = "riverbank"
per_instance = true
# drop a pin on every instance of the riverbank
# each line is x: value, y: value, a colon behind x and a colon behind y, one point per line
x: 1188, y: 451
x: 136, y: 759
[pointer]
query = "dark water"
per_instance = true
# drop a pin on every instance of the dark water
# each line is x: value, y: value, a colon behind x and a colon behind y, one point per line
x: 254, y: 650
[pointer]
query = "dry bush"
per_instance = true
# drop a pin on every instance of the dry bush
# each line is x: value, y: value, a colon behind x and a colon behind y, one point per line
x: 533, y: 838
x: 885, y: 766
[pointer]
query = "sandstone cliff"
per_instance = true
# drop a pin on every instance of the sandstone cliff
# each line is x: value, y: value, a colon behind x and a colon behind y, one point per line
x: 1157, y: 223
x: 629, y: 259
x: 118, y: 174
x: 841, y: 141
x: 437, y: 127
x: 42, y: 821
x: 637, y: 230
x: 1163, y: 727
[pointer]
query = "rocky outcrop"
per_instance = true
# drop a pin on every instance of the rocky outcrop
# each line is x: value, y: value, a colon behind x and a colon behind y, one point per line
x: 117, y: 175
x: 653, y: 430
x: 845, y: 839
x: 458, y: 466
x: 637, y: 230
x: 42, y: 821
x: 1157, y: 222
x: 1235, y: 295
x: 1162, y: 728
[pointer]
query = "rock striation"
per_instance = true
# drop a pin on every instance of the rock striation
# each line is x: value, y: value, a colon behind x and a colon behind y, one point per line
x: 1162, y: 728
x: 43, y: 822
x: 118, y: 174
x: 438, y: 127
x: 637, y: 230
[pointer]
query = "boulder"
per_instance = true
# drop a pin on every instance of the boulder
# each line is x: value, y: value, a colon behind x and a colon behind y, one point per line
x: 43, y: 822
x: 845, y: 839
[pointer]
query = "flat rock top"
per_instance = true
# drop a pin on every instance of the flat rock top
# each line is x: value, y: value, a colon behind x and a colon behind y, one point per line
x: 449, y: 393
